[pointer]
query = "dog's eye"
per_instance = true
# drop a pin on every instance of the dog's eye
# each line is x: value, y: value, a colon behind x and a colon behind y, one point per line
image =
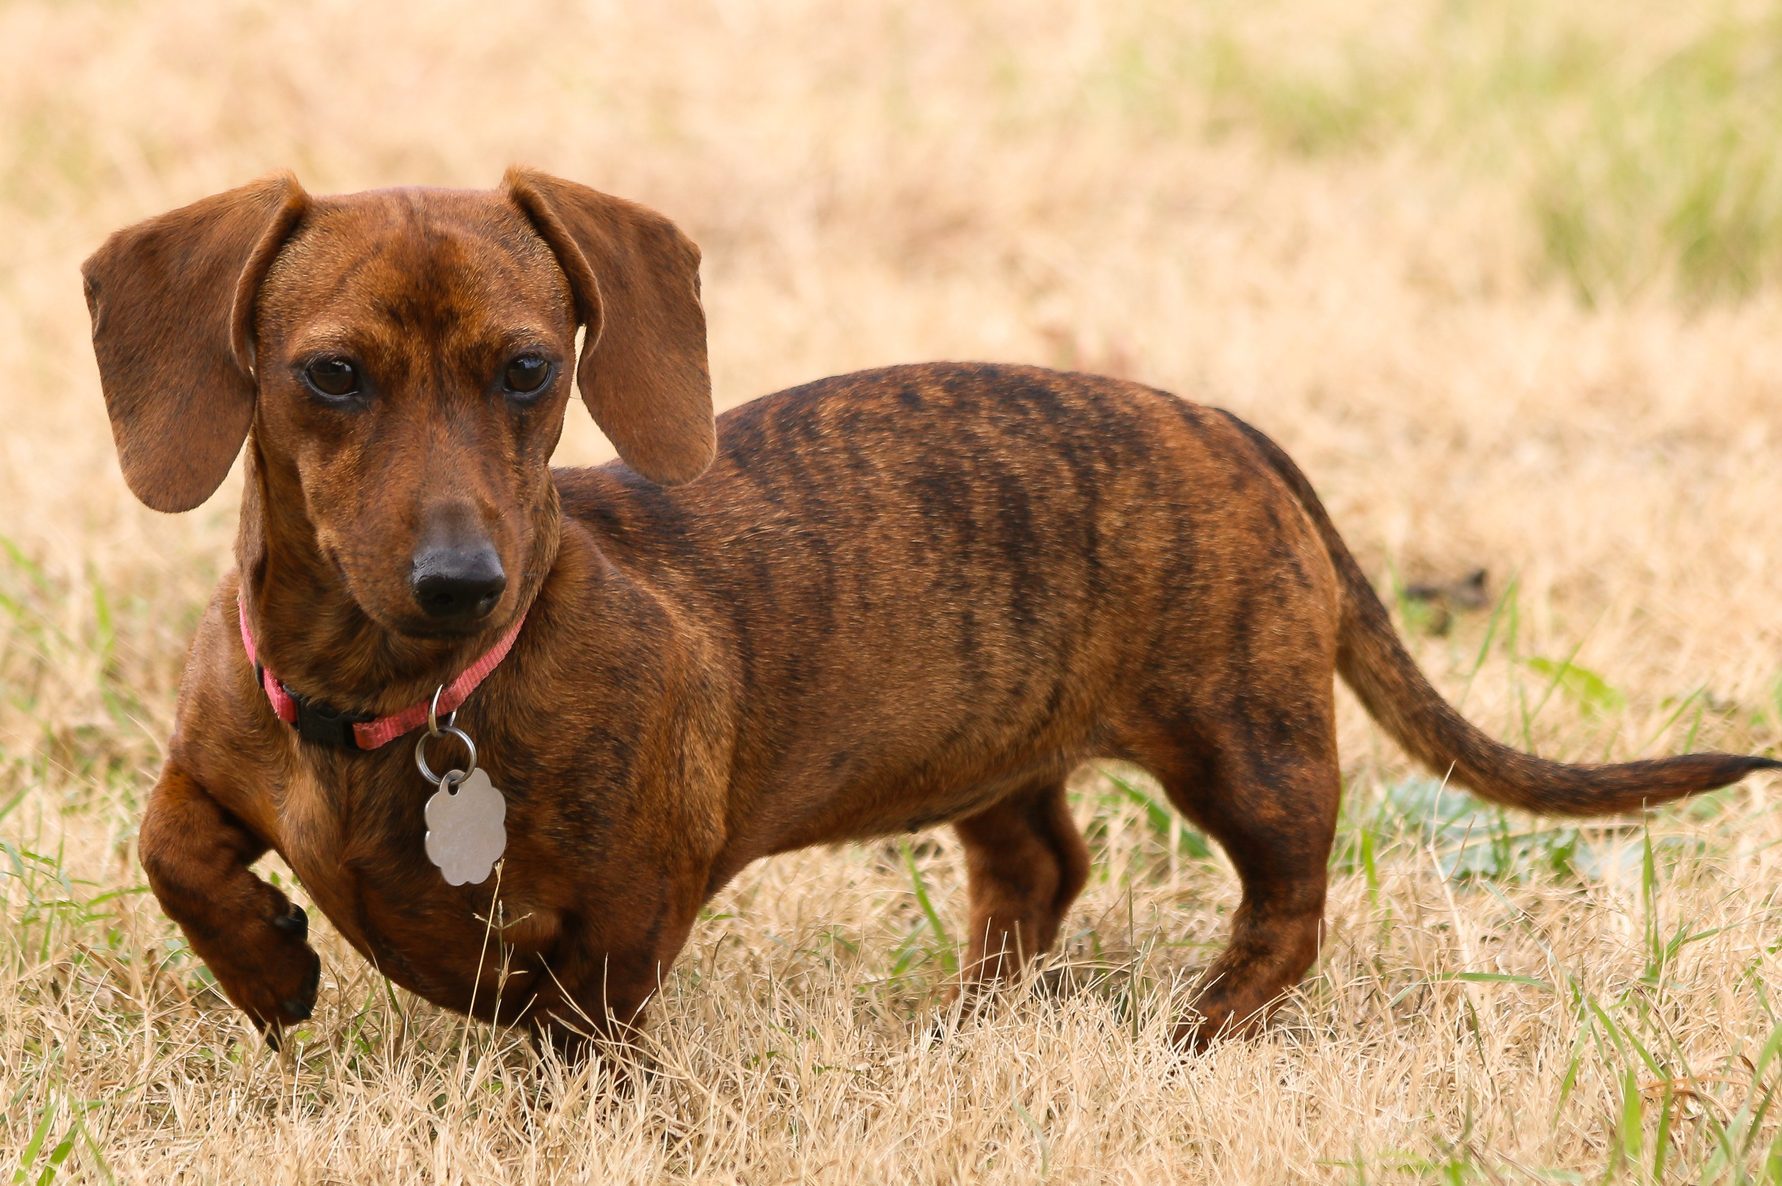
x: 335, y: 377
x: 526, y: 375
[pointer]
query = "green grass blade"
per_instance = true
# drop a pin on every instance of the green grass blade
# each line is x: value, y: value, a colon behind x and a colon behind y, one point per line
x: 949, y: 958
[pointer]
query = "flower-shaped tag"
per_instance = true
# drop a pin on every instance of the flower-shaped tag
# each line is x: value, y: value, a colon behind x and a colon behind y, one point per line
x: 466, y: 828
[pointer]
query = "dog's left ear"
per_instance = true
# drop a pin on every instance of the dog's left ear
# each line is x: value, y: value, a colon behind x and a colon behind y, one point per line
x: 635, y: 279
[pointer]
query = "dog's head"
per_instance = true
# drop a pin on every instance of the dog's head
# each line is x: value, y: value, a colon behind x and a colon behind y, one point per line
x: 403, y: 358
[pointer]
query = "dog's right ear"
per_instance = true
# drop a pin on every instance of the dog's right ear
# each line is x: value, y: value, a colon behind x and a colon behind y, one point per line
x: 172, y: 301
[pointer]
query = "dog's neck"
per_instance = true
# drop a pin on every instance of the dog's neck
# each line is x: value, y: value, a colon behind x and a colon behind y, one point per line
x: 314, y: 635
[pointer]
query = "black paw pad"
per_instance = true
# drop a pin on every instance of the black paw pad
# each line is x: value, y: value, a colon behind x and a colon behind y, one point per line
x: 293, y: 922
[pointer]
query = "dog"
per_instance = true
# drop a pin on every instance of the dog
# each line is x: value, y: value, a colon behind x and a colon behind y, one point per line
x: 868, y: 605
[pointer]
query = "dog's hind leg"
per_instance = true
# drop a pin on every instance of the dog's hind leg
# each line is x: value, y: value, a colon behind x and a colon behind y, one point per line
x: 1025, y: 863
x: 1261, y: 777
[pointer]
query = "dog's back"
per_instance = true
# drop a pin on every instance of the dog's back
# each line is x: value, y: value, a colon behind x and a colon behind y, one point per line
x: 950, y: 577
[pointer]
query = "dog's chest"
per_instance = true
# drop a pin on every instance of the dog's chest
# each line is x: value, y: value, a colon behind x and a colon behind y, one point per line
x: 359, y: 849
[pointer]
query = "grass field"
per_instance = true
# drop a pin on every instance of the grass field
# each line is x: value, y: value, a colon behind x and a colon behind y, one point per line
x: 1504, y: 277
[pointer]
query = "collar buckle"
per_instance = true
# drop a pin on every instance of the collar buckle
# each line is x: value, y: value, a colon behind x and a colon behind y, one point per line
x: 325, y: 724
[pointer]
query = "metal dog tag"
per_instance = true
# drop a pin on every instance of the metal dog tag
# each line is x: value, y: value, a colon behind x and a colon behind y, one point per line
x: 466, y: 827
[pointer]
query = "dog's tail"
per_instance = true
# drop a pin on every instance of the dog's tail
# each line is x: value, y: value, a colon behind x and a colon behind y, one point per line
x: 1376, y: 665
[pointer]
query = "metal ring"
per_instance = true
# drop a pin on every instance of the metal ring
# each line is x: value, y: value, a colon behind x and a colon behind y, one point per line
x: 448, y: 731
x: 433, y: 728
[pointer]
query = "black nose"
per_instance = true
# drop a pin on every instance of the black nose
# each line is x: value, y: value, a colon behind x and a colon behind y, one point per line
x: 457, y: 583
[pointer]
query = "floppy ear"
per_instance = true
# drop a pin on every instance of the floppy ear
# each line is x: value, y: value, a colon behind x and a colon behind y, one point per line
x: 635, y: 279
x: 172, y: 301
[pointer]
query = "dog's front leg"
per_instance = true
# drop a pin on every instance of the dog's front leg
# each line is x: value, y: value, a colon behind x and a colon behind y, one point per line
x: 250, y: 935
x: 607, y: 969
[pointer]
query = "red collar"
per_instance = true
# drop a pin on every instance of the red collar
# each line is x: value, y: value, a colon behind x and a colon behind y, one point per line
x: 315, y: 721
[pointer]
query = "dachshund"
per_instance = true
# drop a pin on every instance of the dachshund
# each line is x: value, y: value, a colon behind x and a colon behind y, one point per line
x: 513, y: 725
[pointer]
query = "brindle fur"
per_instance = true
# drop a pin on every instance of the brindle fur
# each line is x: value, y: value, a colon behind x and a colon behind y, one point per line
x: 909, y: 596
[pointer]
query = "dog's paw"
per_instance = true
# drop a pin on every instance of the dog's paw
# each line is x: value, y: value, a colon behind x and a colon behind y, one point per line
x: 1197, y: 1034
x: 269, y: 971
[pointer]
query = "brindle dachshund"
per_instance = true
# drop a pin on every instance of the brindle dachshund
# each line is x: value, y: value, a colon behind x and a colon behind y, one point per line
x: 873, y: 603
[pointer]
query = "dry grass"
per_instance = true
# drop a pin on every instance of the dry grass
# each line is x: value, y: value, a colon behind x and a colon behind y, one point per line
x: 1363, y: 226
